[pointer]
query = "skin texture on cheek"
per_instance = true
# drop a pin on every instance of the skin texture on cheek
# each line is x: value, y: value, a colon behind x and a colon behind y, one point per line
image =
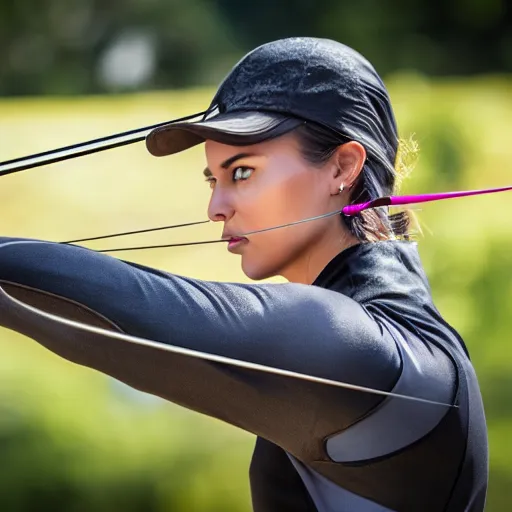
x: 289, y: 191
x: 283, y: 188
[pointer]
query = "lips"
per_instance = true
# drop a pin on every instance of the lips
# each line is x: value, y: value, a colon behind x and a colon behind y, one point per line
x: 232, y: 238
x: 234, y: 241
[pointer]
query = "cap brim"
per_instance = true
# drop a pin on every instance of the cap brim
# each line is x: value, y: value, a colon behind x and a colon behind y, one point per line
x: 233, y: 128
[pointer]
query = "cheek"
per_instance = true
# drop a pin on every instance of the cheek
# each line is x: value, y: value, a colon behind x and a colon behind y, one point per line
x: 290, y: 198
x: 283, y: 198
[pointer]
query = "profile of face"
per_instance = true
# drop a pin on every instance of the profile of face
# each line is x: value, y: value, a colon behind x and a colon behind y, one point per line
x: 270, y: 184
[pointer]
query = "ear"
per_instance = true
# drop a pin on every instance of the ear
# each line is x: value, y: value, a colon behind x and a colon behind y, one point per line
x: 348, y: 161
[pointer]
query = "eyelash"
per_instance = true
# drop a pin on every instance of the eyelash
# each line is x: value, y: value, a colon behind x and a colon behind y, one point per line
x: 211, y: 180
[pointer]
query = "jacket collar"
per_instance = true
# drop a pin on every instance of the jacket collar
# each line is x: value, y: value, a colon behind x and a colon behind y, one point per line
x: 377, y: 270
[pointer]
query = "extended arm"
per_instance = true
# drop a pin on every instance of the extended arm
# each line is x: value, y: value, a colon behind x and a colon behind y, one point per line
x: 299, y: 328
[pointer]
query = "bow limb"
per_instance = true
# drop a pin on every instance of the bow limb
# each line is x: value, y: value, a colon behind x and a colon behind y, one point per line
x: 84, y: 148
x: 44, y: 327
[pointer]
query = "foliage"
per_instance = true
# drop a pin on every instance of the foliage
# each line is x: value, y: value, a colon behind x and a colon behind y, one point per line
x: 73, y: 440
x: 93, y: 46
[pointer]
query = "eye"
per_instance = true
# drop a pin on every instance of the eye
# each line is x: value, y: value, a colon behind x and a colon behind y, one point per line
x: 211, y: 181
x: 242, y: 173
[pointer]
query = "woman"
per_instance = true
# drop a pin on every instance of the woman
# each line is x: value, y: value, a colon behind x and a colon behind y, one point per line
x: 300, y: 128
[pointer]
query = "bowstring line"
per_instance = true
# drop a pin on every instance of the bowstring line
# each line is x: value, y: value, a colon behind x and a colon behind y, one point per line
x: 376, y: 203
x: 182, y: 244
x: 83, y: 148
x: 348, y: 210
x: 148, y: 230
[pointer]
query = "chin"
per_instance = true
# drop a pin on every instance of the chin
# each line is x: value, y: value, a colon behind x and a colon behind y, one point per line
x: 257, y: 271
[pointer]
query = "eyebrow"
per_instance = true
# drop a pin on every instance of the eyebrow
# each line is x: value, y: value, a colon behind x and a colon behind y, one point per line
x: 231, y: 160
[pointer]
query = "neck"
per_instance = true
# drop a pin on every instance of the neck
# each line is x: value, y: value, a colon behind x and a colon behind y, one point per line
x: 307, y: 267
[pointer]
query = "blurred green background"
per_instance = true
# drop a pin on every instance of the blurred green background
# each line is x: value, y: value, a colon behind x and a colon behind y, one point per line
x: 74, y: 440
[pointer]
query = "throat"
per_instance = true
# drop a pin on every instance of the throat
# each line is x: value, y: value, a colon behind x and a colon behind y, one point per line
x: 309, y: 264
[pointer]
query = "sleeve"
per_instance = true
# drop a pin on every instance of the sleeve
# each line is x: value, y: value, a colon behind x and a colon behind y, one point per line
x: 299, y: 328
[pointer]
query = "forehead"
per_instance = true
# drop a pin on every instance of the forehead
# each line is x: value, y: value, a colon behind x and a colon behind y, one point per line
x: 286, y: 144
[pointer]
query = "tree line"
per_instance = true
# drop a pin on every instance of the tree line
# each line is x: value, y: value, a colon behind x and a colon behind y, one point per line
x: 107, y: 46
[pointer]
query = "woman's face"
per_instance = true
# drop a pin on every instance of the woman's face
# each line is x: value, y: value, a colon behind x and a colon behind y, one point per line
x: 269, y: 184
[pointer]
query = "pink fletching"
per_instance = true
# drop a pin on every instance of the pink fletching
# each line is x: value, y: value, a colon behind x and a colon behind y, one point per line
x: 354, y: 209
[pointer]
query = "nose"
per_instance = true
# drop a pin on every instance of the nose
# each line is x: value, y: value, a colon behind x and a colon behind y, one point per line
x: 221, y: 205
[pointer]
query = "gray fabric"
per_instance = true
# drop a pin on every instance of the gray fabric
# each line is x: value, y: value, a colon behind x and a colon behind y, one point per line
x: 329, y: 497
x: 397, y: 422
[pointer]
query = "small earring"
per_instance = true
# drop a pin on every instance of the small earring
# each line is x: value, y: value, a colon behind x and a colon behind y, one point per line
x: 341, y: 188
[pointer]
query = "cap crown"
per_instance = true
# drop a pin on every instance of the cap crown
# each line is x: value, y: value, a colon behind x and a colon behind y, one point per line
x: 318, y: 80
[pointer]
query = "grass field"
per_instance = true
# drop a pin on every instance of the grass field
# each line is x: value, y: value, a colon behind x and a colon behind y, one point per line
x: 67, y: 427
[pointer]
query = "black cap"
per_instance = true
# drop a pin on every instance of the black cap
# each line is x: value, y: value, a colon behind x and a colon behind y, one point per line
x: 282, y: 84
